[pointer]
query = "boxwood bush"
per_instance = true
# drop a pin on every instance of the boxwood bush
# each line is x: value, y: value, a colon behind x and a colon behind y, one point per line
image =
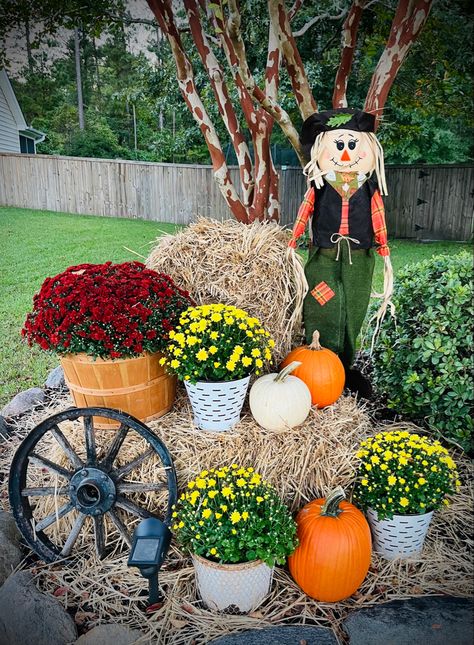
x: 423, y: 361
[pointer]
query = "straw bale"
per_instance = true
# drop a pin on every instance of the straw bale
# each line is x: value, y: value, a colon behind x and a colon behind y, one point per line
x: 303, y: 463
x: 248, y: 266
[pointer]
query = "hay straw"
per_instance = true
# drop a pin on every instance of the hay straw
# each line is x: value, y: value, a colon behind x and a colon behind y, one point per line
x: 248, y: 266
x: 302, y: 463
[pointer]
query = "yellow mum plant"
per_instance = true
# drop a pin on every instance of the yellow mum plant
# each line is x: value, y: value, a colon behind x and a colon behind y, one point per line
x: 230, y: 515
x: 217, y: 343
x: 403, y: 473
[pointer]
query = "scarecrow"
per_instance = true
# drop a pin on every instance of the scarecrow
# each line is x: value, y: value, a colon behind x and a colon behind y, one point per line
x: 344, y: 207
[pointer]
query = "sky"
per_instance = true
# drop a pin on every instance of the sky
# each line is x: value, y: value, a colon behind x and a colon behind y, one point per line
x: 139, y: 37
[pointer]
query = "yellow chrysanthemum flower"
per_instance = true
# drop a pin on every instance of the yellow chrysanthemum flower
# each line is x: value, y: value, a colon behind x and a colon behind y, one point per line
x: 202, y: 354
x: 235, y: 517
x: 226, y: 491
x: 206, y: 513
x: 404, y: 502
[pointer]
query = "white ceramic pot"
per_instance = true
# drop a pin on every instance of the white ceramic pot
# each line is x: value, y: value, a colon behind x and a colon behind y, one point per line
x: 404, y: 535
x: 241, y: 587
x: 217, y: 405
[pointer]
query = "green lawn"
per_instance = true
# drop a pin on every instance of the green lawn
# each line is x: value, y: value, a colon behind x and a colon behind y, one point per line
x: 37, y: 244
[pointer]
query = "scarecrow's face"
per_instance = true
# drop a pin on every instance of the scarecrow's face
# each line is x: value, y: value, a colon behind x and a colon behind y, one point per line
x: 346, y: 151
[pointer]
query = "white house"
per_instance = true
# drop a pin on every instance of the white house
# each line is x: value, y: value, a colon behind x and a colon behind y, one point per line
x: 15, y: 134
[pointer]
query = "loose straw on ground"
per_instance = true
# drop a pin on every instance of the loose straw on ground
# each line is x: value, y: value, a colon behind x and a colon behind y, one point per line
x: 303, y: 463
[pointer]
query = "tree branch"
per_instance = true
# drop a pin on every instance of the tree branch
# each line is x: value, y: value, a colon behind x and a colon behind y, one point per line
x: 267, y: 102
x: 316, y: 19
x: 185, y: 75
x: 349, y: 40
x: 224, y: 103
x: 302, y: 91
x: 409, y: 20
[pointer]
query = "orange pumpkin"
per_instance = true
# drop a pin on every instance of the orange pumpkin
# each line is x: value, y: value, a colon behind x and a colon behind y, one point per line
x: 321, y: 370
x: 334, y: 550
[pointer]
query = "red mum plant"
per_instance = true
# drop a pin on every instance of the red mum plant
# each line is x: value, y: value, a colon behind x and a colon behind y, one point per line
x: 105, y: 310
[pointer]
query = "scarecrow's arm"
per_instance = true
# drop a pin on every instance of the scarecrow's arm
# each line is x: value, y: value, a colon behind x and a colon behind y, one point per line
x: 305, y: 212
x: 378, y: 224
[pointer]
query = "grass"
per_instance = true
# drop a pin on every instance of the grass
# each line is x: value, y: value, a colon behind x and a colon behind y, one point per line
x: 37, y: 244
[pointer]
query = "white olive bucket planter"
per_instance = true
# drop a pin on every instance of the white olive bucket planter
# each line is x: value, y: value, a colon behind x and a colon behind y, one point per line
x: 217, y: 405
x: 238, y: 587
x: 403, y: 535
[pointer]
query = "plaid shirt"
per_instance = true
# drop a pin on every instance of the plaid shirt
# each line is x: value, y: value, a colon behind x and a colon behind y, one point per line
x: 305, y: 213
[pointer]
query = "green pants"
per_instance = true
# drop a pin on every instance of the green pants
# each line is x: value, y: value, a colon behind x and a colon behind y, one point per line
x: 338, y: 317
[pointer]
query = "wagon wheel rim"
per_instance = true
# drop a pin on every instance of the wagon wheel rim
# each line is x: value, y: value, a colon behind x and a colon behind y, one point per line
x: 94, y: 485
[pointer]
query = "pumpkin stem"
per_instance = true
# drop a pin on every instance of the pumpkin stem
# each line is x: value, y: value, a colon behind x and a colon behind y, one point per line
x: 331, y: 505
x: 315, y: 342
x: 286, y: 371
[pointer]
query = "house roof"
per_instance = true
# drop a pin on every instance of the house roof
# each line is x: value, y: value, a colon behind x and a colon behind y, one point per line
x: 23, y: 127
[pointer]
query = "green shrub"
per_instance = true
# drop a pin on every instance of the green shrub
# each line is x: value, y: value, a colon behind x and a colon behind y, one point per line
x: 423, y: 361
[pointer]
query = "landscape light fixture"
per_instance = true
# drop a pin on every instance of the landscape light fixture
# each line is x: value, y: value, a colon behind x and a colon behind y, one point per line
x: 151, y: 541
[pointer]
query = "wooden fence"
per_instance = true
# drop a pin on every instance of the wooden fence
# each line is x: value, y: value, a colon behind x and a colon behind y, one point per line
x: 425, y: 202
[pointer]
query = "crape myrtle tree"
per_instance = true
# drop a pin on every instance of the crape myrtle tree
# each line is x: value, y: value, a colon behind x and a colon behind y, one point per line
x: 217, y: 24
x: 247, y: 98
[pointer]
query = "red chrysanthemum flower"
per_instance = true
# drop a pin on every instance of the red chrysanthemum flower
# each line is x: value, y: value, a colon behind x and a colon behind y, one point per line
x: 105, y: 310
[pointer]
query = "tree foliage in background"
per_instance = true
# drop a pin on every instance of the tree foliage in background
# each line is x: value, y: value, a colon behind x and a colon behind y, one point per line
x: 133, y: 107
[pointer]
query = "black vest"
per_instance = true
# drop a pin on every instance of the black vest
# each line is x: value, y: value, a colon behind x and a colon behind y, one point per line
x: 327, y: 215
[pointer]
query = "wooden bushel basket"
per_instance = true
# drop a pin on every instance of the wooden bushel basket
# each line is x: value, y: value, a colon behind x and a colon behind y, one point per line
x: 138, y: 386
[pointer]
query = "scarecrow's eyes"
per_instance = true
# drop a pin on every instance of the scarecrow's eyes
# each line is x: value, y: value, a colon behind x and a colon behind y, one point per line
x: 352, y: 145
x: 340, y: 145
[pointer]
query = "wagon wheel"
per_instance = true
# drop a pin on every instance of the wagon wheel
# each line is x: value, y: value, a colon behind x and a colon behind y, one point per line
x: 92, y: 487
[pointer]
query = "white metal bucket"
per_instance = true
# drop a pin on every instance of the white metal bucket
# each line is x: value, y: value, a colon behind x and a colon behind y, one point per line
x: 217, y: 405
x: 404, y: 535
x: 240, y: 587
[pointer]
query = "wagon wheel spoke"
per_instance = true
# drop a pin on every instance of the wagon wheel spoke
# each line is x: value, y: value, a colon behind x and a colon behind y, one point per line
x: 53, y: 517
x: 138, y: 487
x: 120, y: 526
x: 132, y: 508
x: 114, y: 447
x: 66, y: 446
x: 39, y: 460
x: 127, y: 468
x: 99, y: 534
x: 73, y: 535
x: 91, y: 450
x: 44, y: 491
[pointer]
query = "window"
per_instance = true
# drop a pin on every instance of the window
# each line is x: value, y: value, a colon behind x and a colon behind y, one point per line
x: 27, y: 145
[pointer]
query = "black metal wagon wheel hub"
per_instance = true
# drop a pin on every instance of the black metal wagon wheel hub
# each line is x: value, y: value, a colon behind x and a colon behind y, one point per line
x: 90, y: 484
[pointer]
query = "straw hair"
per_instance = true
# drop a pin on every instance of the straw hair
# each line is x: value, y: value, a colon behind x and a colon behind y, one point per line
x: 314, y: 172
x: 245, y: 265
x: 303, y: 463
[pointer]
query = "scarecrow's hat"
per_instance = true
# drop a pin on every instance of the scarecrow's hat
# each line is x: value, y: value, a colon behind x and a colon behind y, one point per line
x: 341, y: 118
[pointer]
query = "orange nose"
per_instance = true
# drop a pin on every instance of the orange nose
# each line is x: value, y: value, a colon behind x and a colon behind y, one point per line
x: 345, y: 156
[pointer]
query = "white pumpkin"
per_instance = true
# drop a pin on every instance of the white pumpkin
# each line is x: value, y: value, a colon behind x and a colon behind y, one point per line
x: 279, y: 401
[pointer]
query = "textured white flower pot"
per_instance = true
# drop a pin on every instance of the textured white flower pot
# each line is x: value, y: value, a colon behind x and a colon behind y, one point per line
x: 237, y: 586
x: 217, y: 405
x: 404, y: 535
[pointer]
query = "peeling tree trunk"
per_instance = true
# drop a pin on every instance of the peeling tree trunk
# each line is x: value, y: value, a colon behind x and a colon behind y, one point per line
x: 349, y: 40
x: 409, y: 19
x: 257, y: 197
